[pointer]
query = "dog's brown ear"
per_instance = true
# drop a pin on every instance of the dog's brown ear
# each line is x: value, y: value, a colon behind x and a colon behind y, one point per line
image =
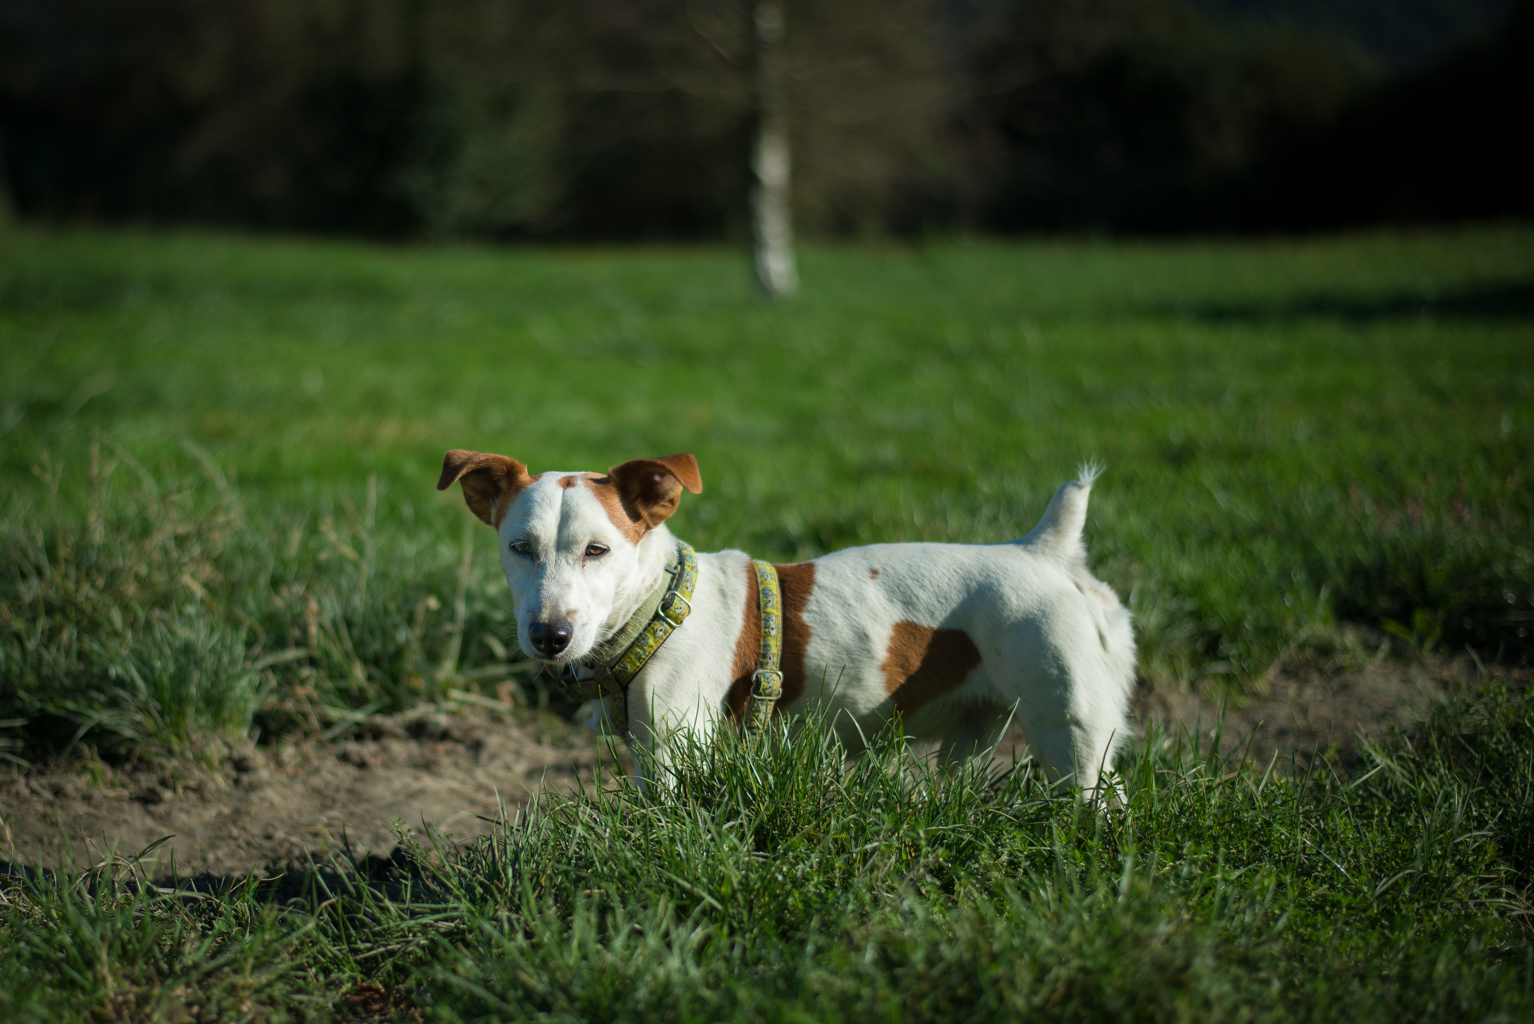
x: 650, y: 488
x: 490, y: 482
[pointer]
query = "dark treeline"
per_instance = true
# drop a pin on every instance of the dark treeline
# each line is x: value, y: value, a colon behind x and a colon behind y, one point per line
x: 627, y: 118
x: 1398, y: 32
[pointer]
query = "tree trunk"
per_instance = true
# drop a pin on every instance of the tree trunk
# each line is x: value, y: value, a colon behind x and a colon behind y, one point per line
x: 772, y: 226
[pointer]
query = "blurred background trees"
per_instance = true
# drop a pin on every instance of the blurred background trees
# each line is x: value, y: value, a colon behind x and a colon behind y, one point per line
x: 1102, y: 114
x: 629, y: 119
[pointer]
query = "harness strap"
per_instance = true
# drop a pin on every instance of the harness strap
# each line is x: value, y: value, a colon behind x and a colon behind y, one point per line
x: 613, y: 678
x: 767, y: 681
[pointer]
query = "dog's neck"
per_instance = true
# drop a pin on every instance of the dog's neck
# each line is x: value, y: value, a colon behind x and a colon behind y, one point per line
x: 657, y: 550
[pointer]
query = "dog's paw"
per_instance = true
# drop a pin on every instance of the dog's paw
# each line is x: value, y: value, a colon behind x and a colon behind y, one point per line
x: 593, y: 715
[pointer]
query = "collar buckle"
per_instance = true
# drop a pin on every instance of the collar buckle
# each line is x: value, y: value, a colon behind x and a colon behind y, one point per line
x: 767, y: 684
x: 669, y: 610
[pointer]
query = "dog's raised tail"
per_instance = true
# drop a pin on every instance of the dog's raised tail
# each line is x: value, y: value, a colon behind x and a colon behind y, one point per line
x: 1058, y: 533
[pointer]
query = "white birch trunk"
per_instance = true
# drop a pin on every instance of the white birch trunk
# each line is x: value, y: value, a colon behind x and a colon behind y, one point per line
x: 772, y: 225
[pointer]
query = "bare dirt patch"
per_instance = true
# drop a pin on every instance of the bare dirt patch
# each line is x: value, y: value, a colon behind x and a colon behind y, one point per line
x: 1303, y: 712
x: 454, y: 770
x: 1311, y: 710
x: 276, y: 805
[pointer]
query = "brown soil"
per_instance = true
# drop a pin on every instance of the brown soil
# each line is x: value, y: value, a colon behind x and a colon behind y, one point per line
x: 1311, y: 710
x: 268, y: 806
x: 1296, y: 715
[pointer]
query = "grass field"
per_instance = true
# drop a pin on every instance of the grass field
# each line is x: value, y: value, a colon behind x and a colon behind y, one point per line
x: 781, y: 885
x: 217, y: 517
x: 1297, y: 435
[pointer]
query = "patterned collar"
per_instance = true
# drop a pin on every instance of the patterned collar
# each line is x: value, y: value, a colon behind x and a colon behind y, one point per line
x: 767, y: 681
x: 667, y: 608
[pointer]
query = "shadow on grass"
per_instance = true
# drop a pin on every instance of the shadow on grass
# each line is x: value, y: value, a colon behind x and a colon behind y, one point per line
x: 1508, y: 300
x: 309, y: 886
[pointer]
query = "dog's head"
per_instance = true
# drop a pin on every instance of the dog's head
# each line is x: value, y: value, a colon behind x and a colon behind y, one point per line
x: 573, y: 545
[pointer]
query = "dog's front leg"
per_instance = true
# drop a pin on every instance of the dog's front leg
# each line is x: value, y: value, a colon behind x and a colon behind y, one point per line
x: 668, y: 731
x: 649, y: 748
x: 598, y: 715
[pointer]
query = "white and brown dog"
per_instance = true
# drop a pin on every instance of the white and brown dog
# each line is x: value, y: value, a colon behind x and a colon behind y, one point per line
x: 957, y: 638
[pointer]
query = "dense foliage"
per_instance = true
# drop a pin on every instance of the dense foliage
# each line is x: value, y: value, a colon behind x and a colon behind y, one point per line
x: 615, y: 119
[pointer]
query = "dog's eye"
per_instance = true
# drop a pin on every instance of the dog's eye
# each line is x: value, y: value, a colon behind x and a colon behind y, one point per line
x: 596, y: 550
x: 521, y: 547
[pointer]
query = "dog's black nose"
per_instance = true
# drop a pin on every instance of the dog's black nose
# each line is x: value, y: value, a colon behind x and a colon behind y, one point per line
x: 549, y: 638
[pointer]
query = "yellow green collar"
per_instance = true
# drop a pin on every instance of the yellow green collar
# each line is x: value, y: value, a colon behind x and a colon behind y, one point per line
x: 668, y: 608
x: 767, y: 681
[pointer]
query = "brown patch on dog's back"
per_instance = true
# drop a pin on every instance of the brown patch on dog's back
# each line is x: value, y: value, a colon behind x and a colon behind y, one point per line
x: 797, y: 582
x: 873, y: 574
x: 748, y: 647
x: 924, y: 663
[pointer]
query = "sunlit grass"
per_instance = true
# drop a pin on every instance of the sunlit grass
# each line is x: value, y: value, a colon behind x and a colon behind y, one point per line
x: 237, y: 439
x: 778, y: 882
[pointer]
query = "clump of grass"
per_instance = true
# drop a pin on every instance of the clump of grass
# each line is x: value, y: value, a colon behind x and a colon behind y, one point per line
x: 778, y: 881
x: 179, y: 681
x: 108, y: 944
x: 1434, y: 567
x: 1487, y: 743
x: 157, y: 619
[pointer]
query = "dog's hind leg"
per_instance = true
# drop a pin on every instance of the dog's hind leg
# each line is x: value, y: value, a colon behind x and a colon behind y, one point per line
x: 1074, y: 747
x: 973, y: 734
x: 1070, y: 708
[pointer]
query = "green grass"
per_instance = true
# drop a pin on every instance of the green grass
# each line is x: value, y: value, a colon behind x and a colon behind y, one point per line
x: 217, y: 517
x: 778, y: 883
x: 216, y: 442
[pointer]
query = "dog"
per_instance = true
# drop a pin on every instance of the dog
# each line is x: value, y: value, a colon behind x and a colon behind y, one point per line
x: 957, y: 639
